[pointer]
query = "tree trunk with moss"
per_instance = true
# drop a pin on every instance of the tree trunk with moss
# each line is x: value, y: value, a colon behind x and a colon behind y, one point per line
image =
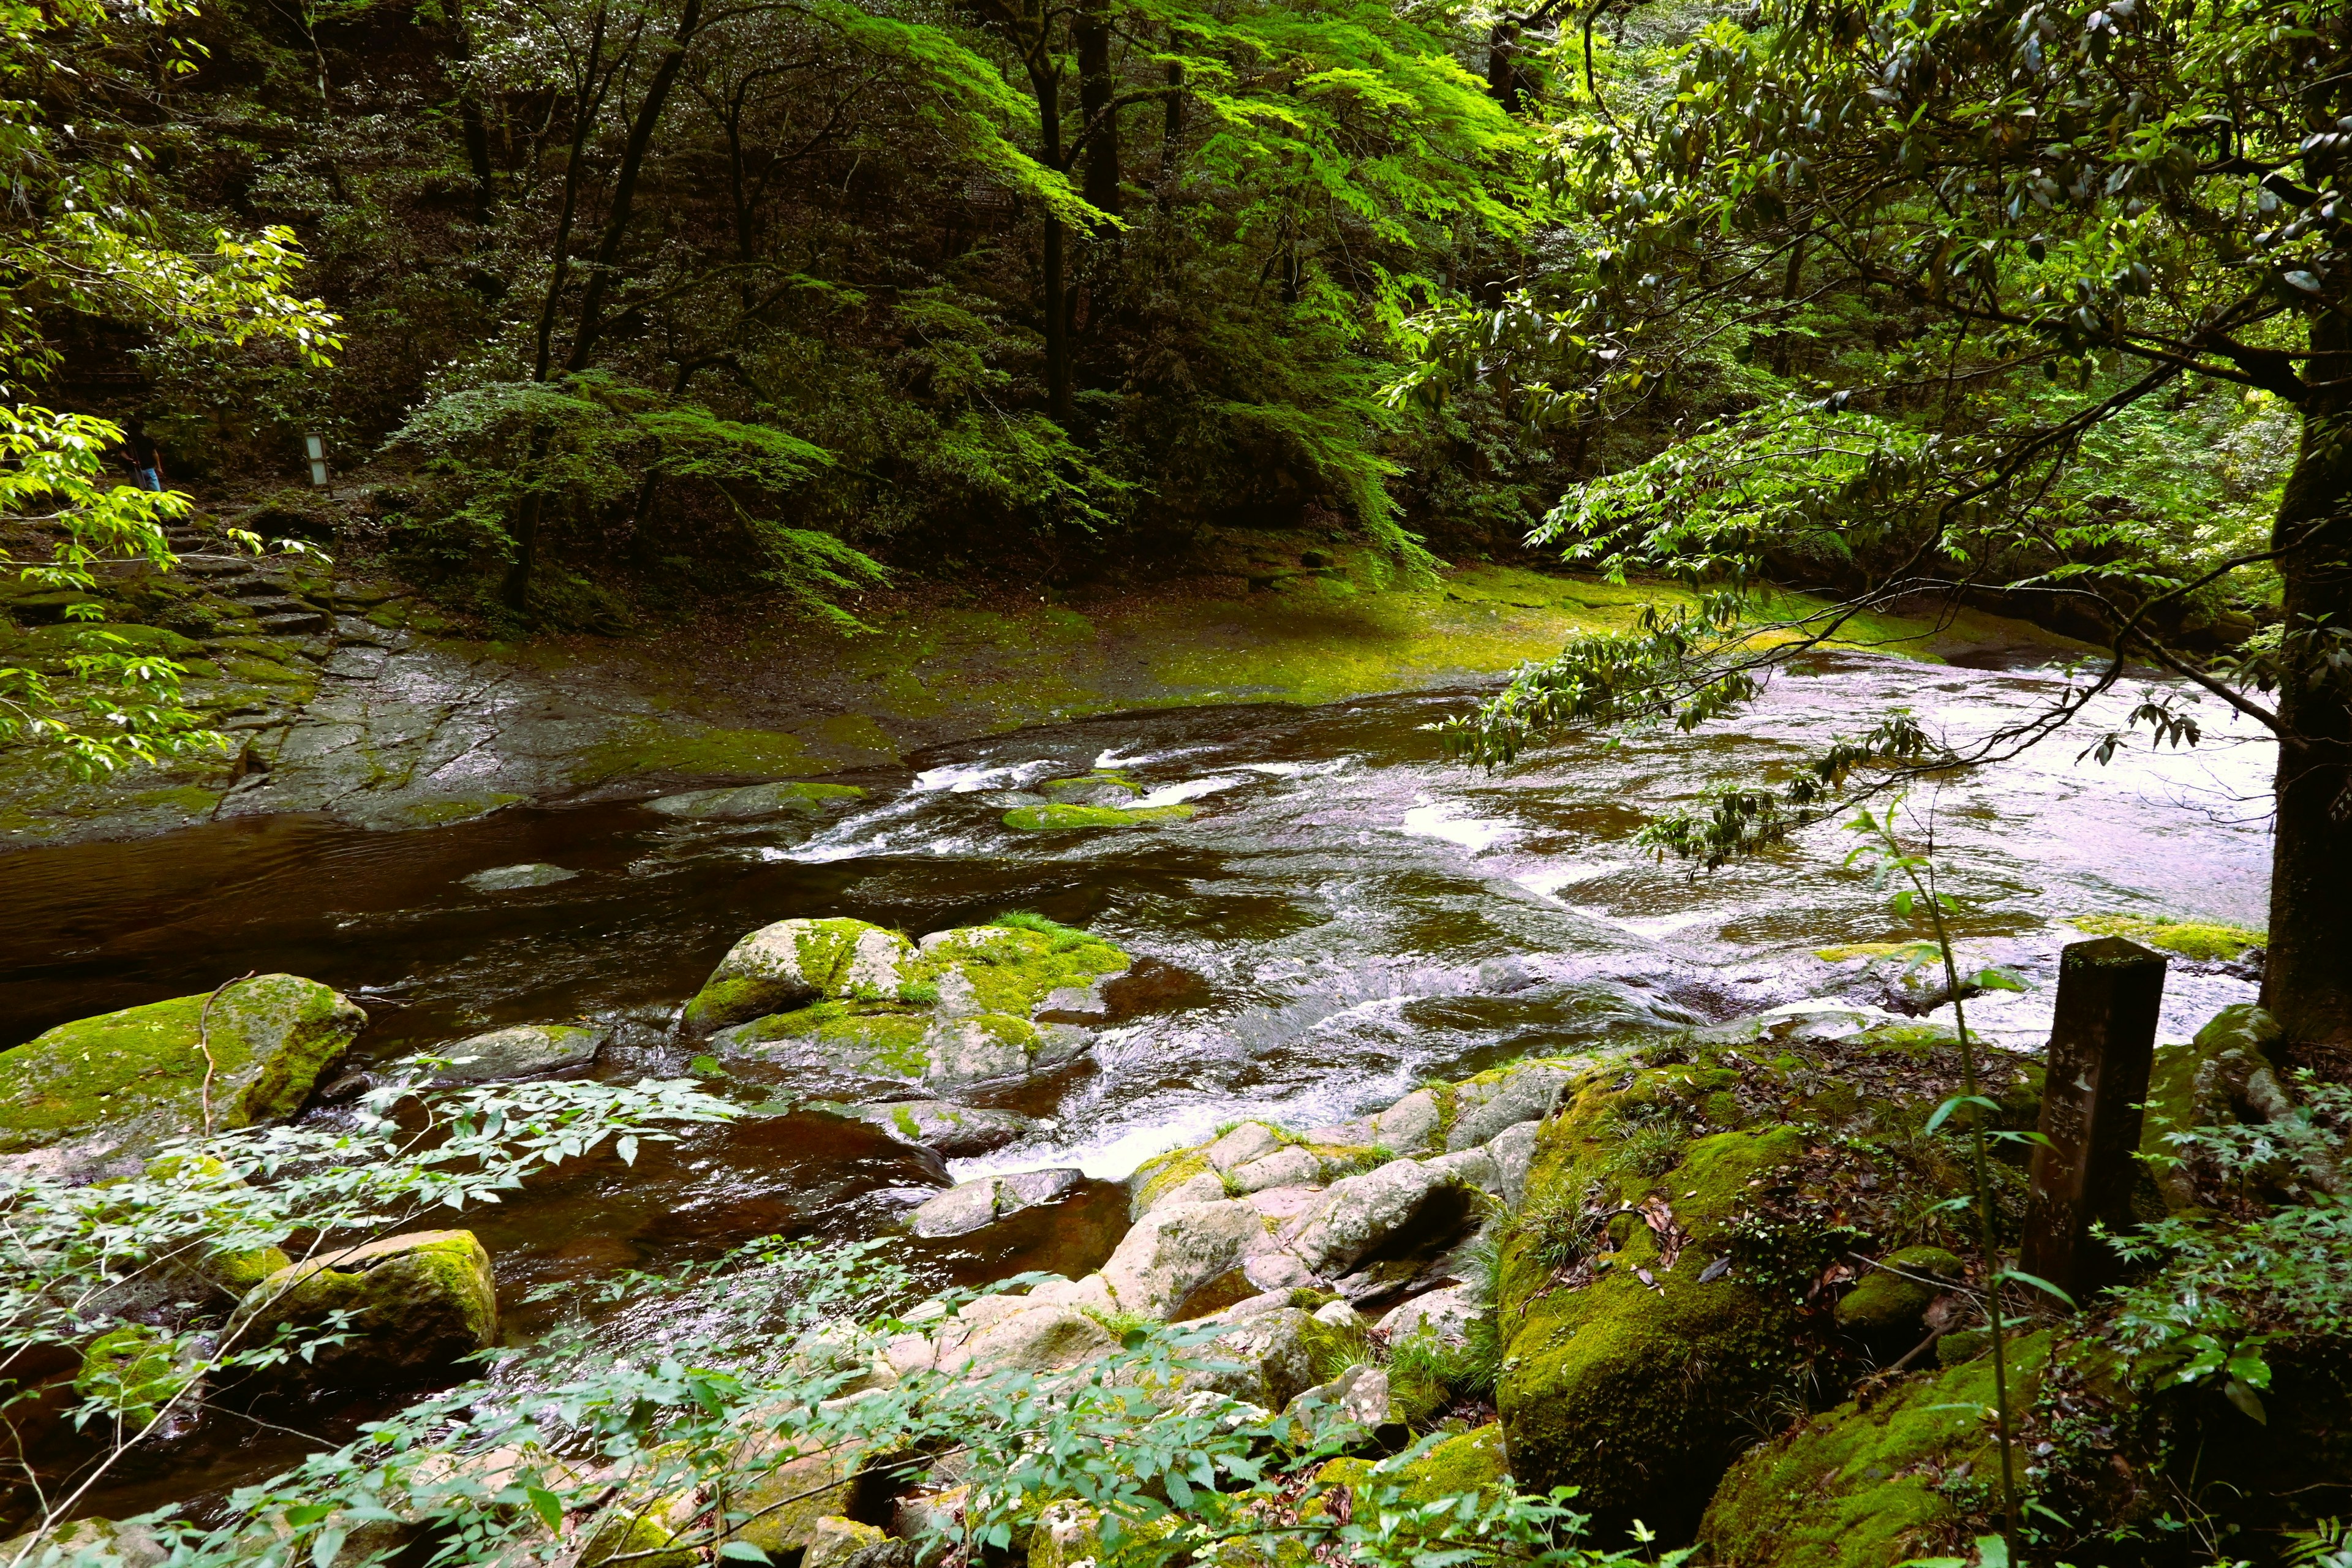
x: 2307, y: 984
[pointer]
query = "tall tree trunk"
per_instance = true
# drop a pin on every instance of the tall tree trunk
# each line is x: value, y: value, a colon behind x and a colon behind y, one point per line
x: 625, y: 184
x: 1096, y: 123
x: 469, y: 112
x: 1047, y: 83
x: 2307, y: 980
x: 1503, y: 65
x: 1172, y: 132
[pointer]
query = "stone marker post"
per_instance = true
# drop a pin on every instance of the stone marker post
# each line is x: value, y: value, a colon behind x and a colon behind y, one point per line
x: 2101, y: 1043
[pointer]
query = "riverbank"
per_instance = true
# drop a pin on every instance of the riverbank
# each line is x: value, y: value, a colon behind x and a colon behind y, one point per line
x: 383, y: 717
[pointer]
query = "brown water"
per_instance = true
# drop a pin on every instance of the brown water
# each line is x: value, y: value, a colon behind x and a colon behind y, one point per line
x: 1347, y: 915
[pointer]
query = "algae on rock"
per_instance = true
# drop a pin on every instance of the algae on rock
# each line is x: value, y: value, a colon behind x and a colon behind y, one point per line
x: 120, y: 1083
x: 417, y: 1303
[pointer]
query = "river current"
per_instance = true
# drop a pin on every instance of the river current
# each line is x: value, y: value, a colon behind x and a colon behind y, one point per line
x: 1346, y: 914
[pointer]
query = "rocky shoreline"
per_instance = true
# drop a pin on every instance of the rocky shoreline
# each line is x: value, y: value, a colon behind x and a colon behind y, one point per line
x: 1640, y: 1247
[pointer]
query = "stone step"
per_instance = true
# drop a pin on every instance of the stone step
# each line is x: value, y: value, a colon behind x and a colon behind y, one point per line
x: 283, y: 622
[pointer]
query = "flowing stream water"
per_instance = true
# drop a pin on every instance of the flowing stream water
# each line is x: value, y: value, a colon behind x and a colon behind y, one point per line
x: 1346, y: 914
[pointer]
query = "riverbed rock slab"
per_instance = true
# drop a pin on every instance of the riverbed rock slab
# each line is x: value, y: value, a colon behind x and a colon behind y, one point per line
x: 510, y: 879
x: 987, y: 1047
x: 526, y: 1050
x: 1042, y: 1339
x: 417, y: 1304
x: 836, y: 1542
x: 1443, y: 1314
x: 747, y: 802
x: 1512, y: 1149
x: 100, y: 1092
x: 1172, y: 1253
x: 1362, y: 1213
x: 1292, y: 1167
x: 973, y: 1205
x: 1012, y: 970
x: 1485, y: 1105
x: 1249, y: 1141
x: 793, y: 963
x: 958, y: 1131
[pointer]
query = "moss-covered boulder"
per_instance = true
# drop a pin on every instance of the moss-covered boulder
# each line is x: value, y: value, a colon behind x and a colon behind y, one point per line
x: 1468, y: 1462
x: 789, y: 1496
x: 132, y: 1373
x: 1021, y: 967
x: 1892, y: 1299
x: 1664, y: 1271
x: 848, y: 1009
x: 115, y: 1085
x: 85, y: 1540
x: 795, y: 962
x: 1864, y: 1487
x: 417, y: 1304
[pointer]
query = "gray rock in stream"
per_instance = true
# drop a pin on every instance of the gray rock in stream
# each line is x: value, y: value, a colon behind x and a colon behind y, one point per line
x: 974, y: 1204
x: 529, y: 874
x: 750, y: 801
x: 526, y: 1050
x: 958, y: 1131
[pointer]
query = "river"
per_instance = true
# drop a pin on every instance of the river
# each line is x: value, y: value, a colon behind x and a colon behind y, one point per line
x: 1346, y: 915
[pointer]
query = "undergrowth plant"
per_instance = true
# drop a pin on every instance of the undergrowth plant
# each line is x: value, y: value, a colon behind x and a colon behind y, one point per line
x: 1912, y: 874
x: 158, y: 1285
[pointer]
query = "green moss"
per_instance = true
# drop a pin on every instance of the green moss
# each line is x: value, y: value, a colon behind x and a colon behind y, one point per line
x: 1064, y: 818
x: 1472, y: 1461
x: 1891, y: 1299
x: 418, y: 1299
x: 1594, y: 1390
x: 263, y: 672
x: 875, y: 1036
x: 2201, y: 940
x: 268, y: 1036
x: 1861, y: 1489
x: 441, y: 812
x: 1851, y: 951
x: 121, y: 636
x: 131, y: 1370
x: 1084, y: 783
x: 188, y: 798
x: 1013, y: 969
x: 904, y: 1121
x: 654, y: 748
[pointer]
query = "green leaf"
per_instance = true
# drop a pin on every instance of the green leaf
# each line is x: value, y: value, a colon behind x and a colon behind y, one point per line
x: 2248, y: 1401
x: 1993, y: 1551
x: 742, y: 1551
x: 548, y: 1506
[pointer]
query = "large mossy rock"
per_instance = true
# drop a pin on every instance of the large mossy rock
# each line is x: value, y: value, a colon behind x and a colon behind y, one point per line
x: 417, y: 1304
x: 1863, y: 1487
x: 114, y: 1086
x: 849, y: 1009
x: 795, y: 962
x: 1676, y: 1217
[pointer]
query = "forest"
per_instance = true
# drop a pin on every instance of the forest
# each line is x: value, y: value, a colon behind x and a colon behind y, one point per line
x: 1176, y: 783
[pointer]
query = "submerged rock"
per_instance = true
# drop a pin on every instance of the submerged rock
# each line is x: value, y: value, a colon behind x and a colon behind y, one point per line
x: 750, y: 801
x: 526, y: 1050
x: 1063, y: 818
x: 957, y: 1131
x: 529, y: 874
x: 417, y: 1304
x: 114, y: 1086
x: 973, y: 1205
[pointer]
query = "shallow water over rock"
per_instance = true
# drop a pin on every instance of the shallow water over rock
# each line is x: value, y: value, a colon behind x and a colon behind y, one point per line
x: 1343, y: 915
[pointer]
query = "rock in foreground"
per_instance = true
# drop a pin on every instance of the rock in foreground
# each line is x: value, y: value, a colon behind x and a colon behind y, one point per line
x: 113, y: 1087
x: 418, y: 1304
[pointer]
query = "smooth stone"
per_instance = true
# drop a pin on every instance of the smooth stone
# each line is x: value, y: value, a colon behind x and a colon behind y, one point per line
x: 793, y: 963
x: 526, y: 1050
x: 507, y: 879
x: 955, y: 1130
x: 1045, y: 1339
x: 110, y: 1088
x: 418, y: 1303
x: 1171, y: 1253
x: 1409, y: 1126
x: 973, y: 1205
x: 1290, y: 1167
x: 748, y: 801
x: 1249, y: 1141
x: 1359, y: 1213
x: 1528, y: 1093
x: 1445, y: 1314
